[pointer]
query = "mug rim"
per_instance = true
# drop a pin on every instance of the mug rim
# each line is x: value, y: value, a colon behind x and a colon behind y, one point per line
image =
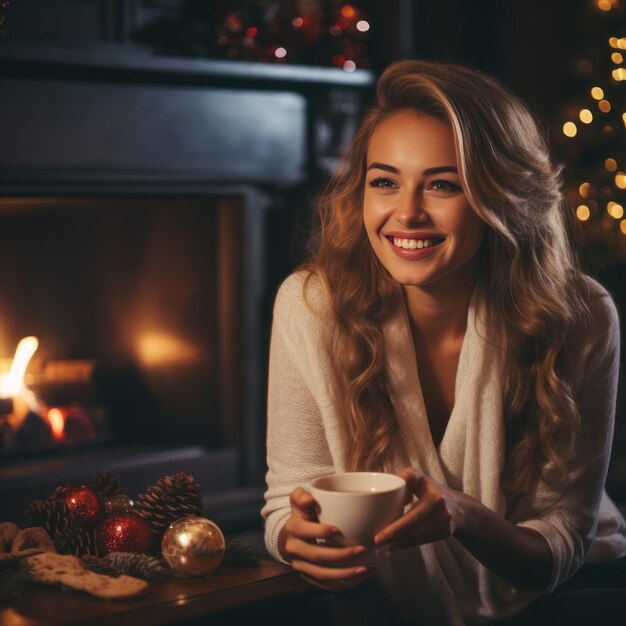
x: 400, y: 484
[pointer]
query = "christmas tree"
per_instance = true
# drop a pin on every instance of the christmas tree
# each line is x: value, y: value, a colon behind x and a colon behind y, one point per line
x: 593, y: 134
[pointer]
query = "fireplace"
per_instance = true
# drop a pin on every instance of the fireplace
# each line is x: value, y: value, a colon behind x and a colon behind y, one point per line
x: 138, y: 305
x: 151, y: 315
x: 147, y: 211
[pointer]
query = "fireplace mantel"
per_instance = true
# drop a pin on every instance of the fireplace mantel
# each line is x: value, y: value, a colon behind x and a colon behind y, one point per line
x: 100, y: 114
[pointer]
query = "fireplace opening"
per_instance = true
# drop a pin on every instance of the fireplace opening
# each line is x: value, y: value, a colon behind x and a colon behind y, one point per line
x: 151, y: 315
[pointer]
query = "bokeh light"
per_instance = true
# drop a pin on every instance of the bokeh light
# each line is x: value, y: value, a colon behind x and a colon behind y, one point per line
x: 569, y: 129
x: 597, y: 93
x: 583, y: 212
x: 604, y: 106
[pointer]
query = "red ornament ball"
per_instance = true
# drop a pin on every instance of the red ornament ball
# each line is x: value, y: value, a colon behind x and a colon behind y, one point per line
x: 123, y: 532
x: 83, y: 503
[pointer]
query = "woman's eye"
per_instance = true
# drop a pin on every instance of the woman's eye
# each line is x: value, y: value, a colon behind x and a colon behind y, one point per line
x: 443, y: 185
x: 385, y: 183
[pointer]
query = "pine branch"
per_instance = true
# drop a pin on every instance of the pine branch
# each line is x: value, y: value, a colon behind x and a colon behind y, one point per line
x: 241, y: 554
x: 131, y: 564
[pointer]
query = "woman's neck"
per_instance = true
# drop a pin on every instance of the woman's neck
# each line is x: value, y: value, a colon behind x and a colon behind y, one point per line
x: 438, y: 312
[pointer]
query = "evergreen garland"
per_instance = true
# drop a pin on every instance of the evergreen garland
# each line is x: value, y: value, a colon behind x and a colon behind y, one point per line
x: 169, y: 499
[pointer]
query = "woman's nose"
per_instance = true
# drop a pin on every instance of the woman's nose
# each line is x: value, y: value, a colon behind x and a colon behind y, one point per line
x: 411, y: 210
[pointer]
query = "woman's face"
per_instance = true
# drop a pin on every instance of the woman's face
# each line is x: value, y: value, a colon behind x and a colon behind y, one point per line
x: 418, y: 219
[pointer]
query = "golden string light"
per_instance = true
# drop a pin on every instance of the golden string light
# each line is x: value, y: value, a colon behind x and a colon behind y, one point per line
x: 583, y: 212
x: 584, y: 190
x: 597, y: 93
x: 615, y: 210
x: 607, y: 5
x: 569, y: 129
x: 604, y: 106
x: 586, y: 116
x: 619, y: 73
x: 610, y: 165
x: 620, y: 180
x: 617, y: 57
x: 620, y: 43
x: 622, y: 226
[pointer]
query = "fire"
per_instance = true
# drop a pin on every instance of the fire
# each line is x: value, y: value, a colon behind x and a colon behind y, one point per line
x: 12, y: 383
x: 56, y: 419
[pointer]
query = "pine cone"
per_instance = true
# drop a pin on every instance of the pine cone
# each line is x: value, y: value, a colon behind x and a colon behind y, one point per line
x: 53, y: 515
x: 170, y: 499
x: 107, y: 484
x: 77, y: 541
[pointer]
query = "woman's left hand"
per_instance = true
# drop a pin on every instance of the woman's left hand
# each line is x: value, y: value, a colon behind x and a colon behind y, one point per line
x: 437, y: 514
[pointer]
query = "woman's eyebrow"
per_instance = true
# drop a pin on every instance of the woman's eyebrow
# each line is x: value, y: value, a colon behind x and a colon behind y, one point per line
x: 427, y: 172
x: 383, y: 166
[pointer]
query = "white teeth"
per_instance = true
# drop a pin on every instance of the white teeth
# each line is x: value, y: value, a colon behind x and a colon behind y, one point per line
x: 412, y: 244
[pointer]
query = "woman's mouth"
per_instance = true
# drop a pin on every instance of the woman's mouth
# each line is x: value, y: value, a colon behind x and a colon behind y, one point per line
x: 414, y: 244
x: 414, y: 248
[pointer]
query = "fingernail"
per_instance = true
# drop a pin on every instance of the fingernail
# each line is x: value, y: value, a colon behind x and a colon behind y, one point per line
x: 359, y: 550
x: 378, y: 539
x: 360, y: 570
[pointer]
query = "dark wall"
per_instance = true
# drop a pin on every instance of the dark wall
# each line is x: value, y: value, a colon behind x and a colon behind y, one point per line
x: 528, y: 44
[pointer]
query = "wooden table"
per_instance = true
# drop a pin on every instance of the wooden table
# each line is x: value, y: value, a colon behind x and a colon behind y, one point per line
x: 179, y: 601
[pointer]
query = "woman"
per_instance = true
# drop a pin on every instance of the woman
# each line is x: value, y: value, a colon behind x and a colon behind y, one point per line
x: 443, y: 331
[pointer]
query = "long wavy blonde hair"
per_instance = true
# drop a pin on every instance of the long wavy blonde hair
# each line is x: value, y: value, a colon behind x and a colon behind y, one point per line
x: 531, y: 289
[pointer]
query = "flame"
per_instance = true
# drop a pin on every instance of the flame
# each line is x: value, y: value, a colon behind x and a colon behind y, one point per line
x: 12, y: 383
x: 56, y: 419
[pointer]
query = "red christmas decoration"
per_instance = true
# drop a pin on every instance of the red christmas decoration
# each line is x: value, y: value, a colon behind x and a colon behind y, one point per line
x: 123, y: 532
x: 83, y: 503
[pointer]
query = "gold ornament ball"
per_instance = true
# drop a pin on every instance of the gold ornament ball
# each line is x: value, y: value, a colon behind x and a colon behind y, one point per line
x: 193, y: 546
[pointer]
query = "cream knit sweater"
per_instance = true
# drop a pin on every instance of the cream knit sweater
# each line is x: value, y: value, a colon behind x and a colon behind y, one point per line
x: 442, y: 582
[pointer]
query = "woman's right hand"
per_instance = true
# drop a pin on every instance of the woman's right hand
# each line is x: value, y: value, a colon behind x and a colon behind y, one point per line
x: 321, y: 564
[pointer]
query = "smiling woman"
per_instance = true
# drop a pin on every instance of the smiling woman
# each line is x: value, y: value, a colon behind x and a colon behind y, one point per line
x: 414, y: 206
x: 443, y: 332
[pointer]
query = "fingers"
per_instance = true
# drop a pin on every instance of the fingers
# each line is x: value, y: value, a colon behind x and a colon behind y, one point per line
x: 303, y: 503
x: 428, y: 520
x: 415, y: 481
x: 303, y: 550
x: 305, y: 529
x: 325, y: 566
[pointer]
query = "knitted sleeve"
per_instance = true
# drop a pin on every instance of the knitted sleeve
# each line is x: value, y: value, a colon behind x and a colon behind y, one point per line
x: 296, y: 442
x: 568, y: 521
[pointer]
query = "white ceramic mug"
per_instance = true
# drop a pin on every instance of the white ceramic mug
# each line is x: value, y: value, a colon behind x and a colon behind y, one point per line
x: 359, y: 504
